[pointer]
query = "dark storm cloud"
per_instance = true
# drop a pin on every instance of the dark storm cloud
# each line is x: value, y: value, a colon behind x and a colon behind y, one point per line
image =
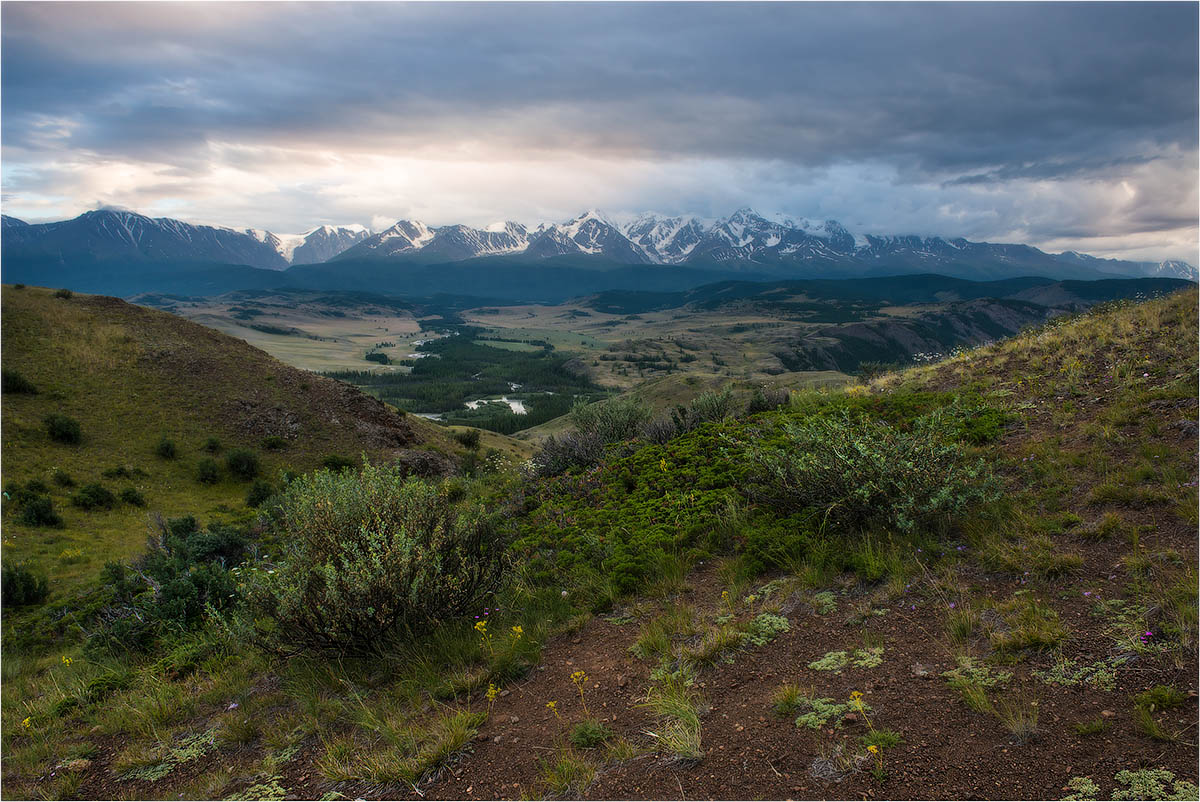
x: 939, y: 88
x: 1051, y: 123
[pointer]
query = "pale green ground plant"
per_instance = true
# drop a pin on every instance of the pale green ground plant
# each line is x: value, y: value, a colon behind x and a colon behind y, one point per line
x: 677, y: 706
x: 1149, y: 784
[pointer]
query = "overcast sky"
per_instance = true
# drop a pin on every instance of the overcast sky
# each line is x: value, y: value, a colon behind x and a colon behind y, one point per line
x: 1067, y: 126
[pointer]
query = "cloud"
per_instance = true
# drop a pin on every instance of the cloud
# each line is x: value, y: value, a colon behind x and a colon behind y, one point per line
x: 982, y: 118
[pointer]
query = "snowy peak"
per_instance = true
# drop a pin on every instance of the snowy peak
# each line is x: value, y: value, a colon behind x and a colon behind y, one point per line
x: 592, y: 233
x: 449, y: 243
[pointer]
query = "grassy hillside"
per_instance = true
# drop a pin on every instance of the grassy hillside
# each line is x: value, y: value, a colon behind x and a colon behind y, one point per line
x: 133, y: 377
x: 974, y: 579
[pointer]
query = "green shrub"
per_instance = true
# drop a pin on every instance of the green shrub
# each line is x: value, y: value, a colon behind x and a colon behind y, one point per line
x: 19, y: 586
x: 468, y: 438
x: 39, y: 511
x: 165, y: 449
x: 274, y: 443
x: 242, y: 464
x: 561, y: 453
x: 63, y: 293
x: 765, y: 400
x: 589, y: 733
x: 259, y: 492
x: 338, y: 463
x: 63, y: 429
x: 859, y: 472
x: 13, y: 382
x: 710, y: 406
x: 208, y: 472
x: 169, y: 589
x: 62, y: 478
x: 373, y: 556
x: 212, y: 445
x: 131, y: 495
x: 612, y: 421
x: 93, y: 496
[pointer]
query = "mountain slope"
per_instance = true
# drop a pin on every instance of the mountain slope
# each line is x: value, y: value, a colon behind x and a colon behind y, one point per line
x: 108, y: 235
x: 132, y: 376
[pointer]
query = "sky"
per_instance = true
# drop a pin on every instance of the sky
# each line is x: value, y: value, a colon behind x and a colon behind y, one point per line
x: 1066, y: 126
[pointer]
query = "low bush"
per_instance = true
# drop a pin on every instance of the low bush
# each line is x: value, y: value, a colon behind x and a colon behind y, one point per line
x: 706, y: 407
x: 274, y: 443
x: 468, y: 438
x: 611, y: 421
x: 63, y: 293
x: 589, y: 733
x: 208, y: 472
x: 20, y: 587
x: 571, y: 450
x: 259, y: 492
x: 338, y: 463
x: 131, y: 495
x: 212, y: 445
x: 39, y: 511
x: 13, y: 382
x: 373, y: 556
x: 165, y: 449
x: 184, y: 574
x: 862, y: 472
x: 242, y: 464
x: 94, y: 496
x: 766, y: 399
x: 63, y: 429
x: 62, y: 478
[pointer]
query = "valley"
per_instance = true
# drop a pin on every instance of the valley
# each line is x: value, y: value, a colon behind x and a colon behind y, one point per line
x: 437, y: 356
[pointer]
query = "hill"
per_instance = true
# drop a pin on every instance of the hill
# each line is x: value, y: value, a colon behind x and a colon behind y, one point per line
x: 133, y: 377
x: 974, y: 578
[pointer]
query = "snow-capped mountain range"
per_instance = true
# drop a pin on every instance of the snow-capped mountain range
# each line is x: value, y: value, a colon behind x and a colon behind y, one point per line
x: 744, y: 241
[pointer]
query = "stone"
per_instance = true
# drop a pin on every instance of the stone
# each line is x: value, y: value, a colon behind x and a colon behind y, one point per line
x: 1107, y: 714
x: 921, y: 670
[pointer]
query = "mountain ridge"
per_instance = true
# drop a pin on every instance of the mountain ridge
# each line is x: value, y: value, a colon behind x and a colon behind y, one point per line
x: 745, y: 242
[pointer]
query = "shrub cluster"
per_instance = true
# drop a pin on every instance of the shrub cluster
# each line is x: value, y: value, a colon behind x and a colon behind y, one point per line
x: 337, y: 463
x: 37, y: 509
x: 13, y: 382
x: 207, y: 471
x: 63, y: 429
x: 242, y: 464
x: 856, y: 472
x: 94, y: 496
x: 259, y: 492
x: 373, y: 556
x: 184, y: 573
x: 165, y: 449
x: 468, y: 438
x: 19, y: 586
x: 620, y: 419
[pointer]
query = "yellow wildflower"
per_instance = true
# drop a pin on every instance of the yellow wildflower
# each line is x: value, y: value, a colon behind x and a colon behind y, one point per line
x: 492, y: 693
x: 481, y: 627
x: 579, y: 678
x: 873, y: 749
x: 517, y: 632
x: 28, y: 722
x: 66, y: 660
